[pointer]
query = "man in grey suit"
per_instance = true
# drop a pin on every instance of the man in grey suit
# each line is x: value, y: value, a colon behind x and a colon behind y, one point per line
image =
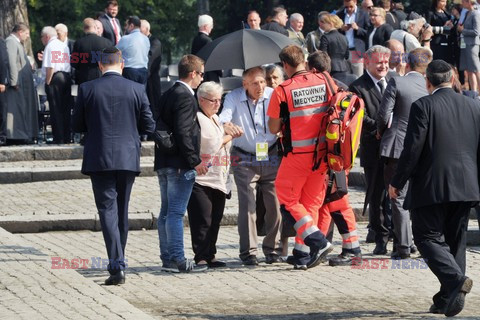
x: 392, y: 120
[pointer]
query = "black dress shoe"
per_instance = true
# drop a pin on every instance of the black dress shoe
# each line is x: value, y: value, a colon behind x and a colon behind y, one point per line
x: 272, y: 258
x: 413, y: 249
x: 291, y: 260
x: 397, y: 255
x: 435, y: 309
x: 216, y: 264
x: 116, y: 279
x: 457, y: 299
x: 250, y: 261
x: 380, y: 248
x: 344, y: 259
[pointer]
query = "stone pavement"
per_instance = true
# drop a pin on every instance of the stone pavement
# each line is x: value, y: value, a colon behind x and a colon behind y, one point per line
x: 32, y: 289
x: 69, y: 205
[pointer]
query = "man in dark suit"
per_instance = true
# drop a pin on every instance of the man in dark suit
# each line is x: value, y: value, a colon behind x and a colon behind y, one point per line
x: 205, y: 26
x: 176, y: 172
x: 86, y: 52
x: 112, y: 30
x: 3, y: 86
x: 440, y: 160
x: 113, y: 112
x: 370, y: 87
x: 392, y: 120
x: 278, y: 22
x: 154, y: 86
x: 355, y: 29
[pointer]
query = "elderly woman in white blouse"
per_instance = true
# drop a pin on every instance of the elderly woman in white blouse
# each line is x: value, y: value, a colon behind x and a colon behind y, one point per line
x: 207, y: 202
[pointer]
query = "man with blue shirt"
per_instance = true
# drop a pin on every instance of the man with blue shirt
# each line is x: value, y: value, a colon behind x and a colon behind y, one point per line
x: 135, y: 46
x: 255, y: 162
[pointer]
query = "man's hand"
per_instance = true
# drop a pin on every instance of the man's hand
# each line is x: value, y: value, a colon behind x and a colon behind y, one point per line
x: 2, y: 88
x: 427, y: 34
x: 459, y: 28
x: 232, y: 129
x: 354, y: 26
x: 393, y: 192
x: 40, y: 56
x: 378, y: 135
x: 201, y: 169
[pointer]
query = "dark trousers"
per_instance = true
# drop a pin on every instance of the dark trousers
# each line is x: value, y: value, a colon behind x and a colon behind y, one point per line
x: 60, y: 104
x: 138, y: 75
x: 378, y: 216
x: 3, y: 119
x: 111, y: 190
x: 205, y: 212
x: 440, y: 233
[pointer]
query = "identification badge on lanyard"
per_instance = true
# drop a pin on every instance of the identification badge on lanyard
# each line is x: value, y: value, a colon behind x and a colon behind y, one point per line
x: 261, y: 151
x: 463, y: 45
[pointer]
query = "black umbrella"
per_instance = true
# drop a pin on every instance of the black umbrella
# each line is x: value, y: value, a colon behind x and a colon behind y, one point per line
x: 243, y: 49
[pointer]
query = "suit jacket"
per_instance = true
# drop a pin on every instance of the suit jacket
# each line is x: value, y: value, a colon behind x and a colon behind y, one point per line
x: 17, y: 58
x: 88, y: 71
x: 335, y: 44
x: 366, y: 89
x: 382, y: 34
x: 276, y: 27
x: 471, y: 28
x: 297, y: 37
x: 361, y: 19
x: 4, y: 77
x: 108, y: 31
x: 178, y: 109
x: 200, y: 40
x: 113, y: 111
x: 401, y: 92
x: 441, y: 154
x: 313, y: 40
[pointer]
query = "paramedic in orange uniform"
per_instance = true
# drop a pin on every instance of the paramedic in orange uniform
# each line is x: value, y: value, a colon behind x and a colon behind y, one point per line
x: 298, y: 109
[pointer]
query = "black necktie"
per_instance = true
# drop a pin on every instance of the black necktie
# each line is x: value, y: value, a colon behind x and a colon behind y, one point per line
x: 381, y: 85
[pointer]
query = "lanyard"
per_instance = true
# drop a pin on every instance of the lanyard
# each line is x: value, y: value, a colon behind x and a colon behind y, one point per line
x: 253, y: 121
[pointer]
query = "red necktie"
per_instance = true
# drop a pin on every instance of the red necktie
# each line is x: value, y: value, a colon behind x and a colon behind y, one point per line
x: 115, y: 30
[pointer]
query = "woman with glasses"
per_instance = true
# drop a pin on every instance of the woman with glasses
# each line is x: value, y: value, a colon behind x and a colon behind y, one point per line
x: 207, y: 201
x: 379, y: 32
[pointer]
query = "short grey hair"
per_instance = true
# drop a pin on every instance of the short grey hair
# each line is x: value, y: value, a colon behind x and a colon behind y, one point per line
x: 209, y: 88
x: 295, y: 17
x: 49, y: 31
x: 406, y: 24
x: 61, y: 28
x: 375, y: 50
x: 205, y: 19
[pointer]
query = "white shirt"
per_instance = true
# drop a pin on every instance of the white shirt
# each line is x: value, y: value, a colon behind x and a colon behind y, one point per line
x: 349, y: 19
x: 239, y: 109
x: 376, y: 81
x: 114, y: 24
x: 56, y: 55
x: 370, y: 38
x: 213, y: 153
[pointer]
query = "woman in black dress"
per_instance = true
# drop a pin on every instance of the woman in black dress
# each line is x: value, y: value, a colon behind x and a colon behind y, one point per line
x: 441, y: 22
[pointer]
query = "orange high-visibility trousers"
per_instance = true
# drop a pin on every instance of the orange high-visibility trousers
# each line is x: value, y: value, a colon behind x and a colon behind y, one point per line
x: 300, y: 192
x: 344, y: 218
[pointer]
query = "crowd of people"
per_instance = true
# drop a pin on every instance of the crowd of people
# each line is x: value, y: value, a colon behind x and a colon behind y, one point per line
x: 269, y: 141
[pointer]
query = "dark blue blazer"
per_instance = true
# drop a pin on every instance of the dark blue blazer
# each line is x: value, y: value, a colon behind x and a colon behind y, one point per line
x: 113, y: 112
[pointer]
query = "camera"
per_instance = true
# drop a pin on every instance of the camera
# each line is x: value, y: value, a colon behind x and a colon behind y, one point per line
x: 441, y: 30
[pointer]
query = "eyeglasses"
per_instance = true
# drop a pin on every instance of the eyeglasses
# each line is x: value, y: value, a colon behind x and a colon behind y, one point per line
x: 200, y: 73
x: 213, y: 100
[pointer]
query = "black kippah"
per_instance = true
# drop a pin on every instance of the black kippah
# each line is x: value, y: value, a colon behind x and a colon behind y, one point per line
x: 110, y: 50
x: 439, y: 66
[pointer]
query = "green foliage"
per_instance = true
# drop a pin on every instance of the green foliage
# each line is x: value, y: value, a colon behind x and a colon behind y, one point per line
x: 174, y: 22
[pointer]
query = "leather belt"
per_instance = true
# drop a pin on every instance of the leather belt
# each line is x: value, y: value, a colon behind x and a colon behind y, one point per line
x: 251, y: 154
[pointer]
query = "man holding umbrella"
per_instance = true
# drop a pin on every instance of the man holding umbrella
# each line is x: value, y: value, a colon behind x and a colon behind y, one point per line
x: 297, y: 109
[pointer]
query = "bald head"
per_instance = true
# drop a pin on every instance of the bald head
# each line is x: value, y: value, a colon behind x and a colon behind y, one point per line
x: 89, y: 25
x: 398, y: 52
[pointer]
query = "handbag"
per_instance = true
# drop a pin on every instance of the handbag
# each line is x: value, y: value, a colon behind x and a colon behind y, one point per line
x: 163, y: 134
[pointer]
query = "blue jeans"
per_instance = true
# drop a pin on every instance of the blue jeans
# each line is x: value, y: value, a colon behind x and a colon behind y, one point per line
x: 175, y: 192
